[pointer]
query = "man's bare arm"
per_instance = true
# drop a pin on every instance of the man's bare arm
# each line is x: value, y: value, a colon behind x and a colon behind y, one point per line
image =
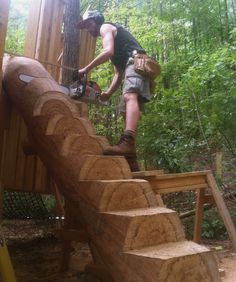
x: 108, y: 49
x: 116, y: 81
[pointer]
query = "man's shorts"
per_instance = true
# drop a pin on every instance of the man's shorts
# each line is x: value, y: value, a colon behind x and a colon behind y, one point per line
x: 135, y: 83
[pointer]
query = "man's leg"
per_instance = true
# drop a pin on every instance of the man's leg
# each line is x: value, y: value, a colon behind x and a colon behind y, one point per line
x: 132, y: 111
x: 126, y: 145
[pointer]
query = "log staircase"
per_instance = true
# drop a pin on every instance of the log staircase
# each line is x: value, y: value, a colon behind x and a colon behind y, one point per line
x: 132, y: 238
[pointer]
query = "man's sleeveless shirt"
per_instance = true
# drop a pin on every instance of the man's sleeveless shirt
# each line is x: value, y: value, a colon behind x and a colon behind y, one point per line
x: 124, y: 45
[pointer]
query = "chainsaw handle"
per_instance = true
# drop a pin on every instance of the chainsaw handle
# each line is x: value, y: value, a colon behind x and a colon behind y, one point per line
x: 83, y: 81
x: 83, y: 78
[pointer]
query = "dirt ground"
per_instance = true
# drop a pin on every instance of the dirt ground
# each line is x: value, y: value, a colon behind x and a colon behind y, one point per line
x: 36, y: 254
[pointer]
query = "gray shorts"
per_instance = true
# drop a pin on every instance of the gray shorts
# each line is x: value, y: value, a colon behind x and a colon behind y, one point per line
x: 137, y: 84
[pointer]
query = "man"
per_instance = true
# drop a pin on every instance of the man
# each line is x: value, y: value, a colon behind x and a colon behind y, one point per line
x: 119, y: 46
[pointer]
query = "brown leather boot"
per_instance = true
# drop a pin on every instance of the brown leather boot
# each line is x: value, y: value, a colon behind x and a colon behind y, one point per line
x: 125, y: 147
x: 133, y: 163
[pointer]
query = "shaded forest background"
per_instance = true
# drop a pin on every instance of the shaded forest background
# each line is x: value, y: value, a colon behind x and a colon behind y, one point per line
x: 192, y: 114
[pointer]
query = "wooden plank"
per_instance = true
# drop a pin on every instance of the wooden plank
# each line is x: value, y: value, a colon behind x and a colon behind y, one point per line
x: 87, y: 48
x: 198, y: 216
x: 5, y: 110
x: 55, y: 36
x: 189, y: 187
x: 43, y: 36
x: 222, y: 208
x: 1, y: 200
x: 147, y: 173
x: 168, y: 183
x: 10, y: 156
x: 4, y: 12
x: 20, y: 161
x: 32, y: 28
x: 49, y: 34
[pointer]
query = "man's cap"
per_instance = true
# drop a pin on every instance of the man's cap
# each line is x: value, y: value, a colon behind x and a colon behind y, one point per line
x: 95, y: 15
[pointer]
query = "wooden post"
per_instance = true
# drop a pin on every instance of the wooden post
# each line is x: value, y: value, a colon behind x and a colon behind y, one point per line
x: 4, y: 11
x: 6, y: 269
x: 223, y: 211
x: 198, y: 216
x: 218, y: 164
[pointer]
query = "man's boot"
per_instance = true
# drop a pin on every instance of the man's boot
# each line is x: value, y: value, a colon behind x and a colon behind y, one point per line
x: 133, y: 163
x: 125, y: 147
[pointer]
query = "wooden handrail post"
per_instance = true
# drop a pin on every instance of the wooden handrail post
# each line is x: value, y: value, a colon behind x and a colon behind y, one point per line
x: 198, y: 216
x: 222, y: 208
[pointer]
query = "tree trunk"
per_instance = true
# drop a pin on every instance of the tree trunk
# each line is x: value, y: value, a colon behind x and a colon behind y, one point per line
x: 71, y: 40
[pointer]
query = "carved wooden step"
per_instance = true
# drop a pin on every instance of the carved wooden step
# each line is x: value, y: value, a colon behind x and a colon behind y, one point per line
x: 117, y: 195
x: 104, y: 168
x: 60, y: 124
x: 135, y: 229
x: 178, y: 262
x: 51, y: 103
x: 81, y: 145
x: 110, y: 232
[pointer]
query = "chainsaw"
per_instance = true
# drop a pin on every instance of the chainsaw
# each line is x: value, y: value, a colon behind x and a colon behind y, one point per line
x: 81, y: 90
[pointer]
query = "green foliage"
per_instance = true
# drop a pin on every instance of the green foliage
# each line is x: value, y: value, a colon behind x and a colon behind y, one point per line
x: 17, y: 22
x: 213, y: 226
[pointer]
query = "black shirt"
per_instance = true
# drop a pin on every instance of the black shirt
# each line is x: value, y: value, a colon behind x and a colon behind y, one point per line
x: 124, y: 45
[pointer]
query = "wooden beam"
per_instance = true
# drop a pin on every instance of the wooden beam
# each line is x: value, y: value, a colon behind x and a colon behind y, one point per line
x: 32, y: 28
x: 147, y: 173
x: 223, y: 211
x: 169, y: 183
x: 198, y: 216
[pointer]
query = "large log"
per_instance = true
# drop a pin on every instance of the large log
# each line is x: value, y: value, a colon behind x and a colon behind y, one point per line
x: 131, y: 238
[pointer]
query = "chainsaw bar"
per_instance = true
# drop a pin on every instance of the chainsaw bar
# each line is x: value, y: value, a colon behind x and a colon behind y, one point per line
x: 28, y: 78
x: 80, y: 90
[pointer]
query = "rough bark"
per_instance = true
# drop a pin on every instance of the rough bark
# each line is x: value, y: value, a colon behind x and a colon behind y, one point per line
x: 71, y: 39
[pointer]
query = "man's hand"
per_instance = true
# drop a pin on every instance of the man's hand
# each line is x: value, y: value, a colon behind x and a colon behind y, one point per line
x: 83, y: 71
x: 105, y: 97
x: 77, y: 74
